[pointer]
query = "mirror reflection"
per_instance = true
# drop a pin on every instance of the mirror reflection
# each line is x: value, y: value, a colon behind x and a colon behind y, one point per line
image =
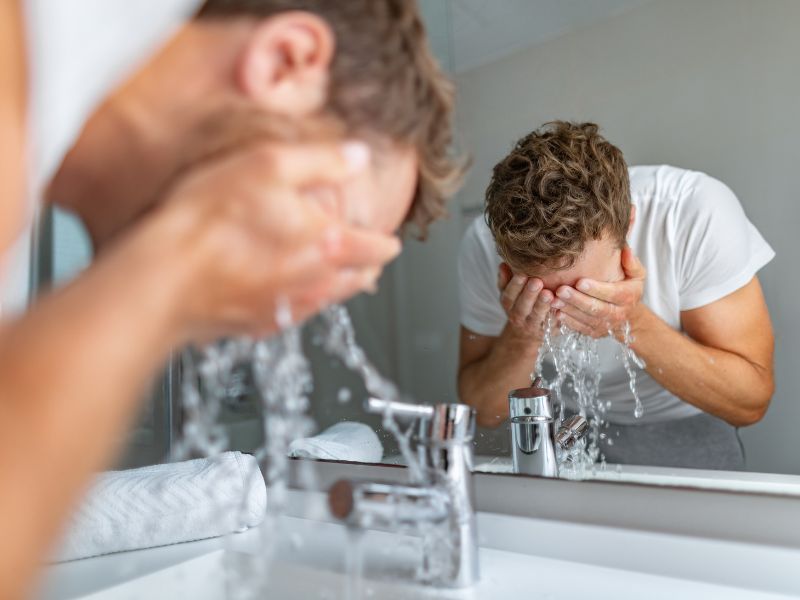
x: 630, y: 183
x: 606, y: 287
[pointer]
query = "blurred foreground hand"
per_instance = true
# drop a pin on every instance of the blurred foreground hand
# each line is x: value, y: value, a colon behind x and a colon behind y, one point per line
x: 251, y: 241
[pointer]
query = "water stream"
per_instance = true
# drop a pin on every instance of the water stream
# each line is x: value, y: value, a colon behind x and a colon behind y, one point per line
x: 576, y: 364
x: 282, y: 381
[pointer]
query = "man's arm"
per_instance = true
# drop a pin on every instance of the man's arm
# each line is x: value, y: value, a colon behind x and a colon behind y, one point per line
x: 722, y: 366
x: 490, y: 367
x: 71, y: 372
x: 725, y: 365
x: 213, y: 259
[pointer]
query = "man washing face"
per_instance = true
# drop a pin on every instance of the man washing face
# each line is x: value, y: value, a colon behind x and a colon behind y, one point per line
x: 286, y: 74
x: 570, y: 230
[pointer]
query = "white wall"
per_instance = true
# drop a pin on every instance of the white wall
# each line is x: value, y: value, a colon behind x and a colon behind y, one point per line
x: 712, y: 85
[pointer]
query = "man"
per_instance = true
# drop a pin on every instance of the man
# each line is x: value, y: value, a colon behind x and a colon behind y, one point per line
x: 282, y: 70
x: 229, y: 173
x: 571, y: 231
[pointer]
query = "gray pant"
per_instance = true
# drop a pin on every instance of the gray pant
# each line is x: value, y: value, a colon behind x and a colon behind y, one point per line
x: 699, y: 442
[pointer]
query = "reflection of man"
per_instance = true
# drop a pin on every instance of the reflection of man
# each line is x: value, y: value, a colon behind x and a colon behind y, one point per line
x: 559, y: 210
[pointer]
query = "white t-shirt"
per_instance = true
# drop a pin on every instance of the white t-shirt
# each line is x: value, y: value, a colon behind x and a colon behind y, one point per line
x: 697, y: 245
x: 78, y: 52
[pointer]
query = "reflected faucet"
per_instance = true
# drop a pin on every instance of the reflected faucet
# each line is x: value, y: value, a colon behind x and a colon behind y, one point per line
x: 444, y: 496
x: 533, y: 443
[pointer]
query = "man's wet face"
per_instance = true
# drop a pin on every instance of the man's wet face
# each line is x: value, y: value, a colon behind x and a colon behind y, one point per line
x: 601, y: 261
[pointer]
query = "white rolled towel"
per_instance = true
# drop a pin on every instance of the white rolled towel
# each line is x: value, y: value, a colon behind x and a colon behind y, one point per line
x: 167, y: 504
x: 348, y: 441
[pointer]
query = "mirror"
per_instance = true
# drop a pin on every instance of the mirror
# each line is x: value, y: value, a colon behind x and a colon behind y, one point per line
x: 698, y: 97
x: 707, y: 94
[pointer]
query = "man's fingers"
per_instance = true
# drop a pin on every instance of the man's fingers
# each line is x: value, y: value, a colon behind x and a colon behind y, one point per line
x: 633, y: 267
x: 512, y: 291
x: 619, y: 293
x: 350, y: 247
x: 588, y: 320
x: 575, y: 324
x: 589, y: 305
x: 310, y: 164
x: 542, y: 306
x: 525, y: 301
x: 504, y: 275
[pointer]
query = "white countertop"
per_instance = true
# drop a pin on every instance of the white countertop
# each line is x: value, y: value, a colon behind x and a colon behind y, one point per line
x: 519, y: 557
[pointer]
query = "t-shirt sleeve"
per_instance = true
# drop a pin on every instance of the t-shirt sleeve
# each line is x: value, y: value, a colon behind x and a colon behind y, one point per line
x: 719, y: 249
x: 481, y: 311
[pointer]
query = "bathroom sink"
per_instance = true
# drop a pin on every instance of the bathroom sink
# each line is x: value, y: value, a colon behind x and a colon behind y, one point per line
x: 519, y: 558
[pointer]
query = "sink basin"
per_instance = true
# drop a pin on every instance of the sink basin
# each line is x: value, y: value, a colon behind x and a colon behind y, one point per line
x: 519, y: 558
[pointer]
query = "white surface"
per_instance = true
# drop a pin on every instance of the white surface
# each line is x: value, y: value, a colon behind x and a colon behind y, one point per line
x: 167, y: 504
x: 348, y: 441
x: 486, y: 31
x: 519, y: 556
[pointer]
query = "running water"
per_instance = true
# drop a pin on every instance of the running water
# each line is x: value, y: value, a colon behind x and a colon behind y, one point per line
x: 340, y: 340
x: 628, y: 357
x: 282, y: 382
x: 576, y: 363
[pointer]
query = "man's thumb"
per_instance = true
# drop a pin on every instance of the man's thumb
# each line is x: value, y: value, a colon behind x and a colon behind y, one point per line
x: 631, y: 265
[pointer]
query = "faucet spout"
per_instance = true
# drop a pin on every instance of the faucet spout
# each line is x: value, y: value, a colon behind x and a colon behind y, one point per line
x: 441, y: 507
x: 533, y: 441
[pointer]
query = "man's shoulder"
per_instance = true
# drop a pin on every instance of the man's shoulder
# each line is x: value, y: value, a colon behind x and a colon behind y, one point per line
x: 667, y: 183
x: 478, y: 256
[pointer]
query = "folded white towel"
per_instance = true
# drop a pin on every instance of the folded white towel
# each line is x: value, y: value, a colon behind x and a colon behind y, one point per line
x: 349, y: 441
x: 167, y: 504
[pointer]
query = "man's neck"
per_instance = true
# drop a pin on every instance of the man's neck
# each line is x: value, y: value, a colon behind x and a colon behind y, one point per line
x: 143, y: 135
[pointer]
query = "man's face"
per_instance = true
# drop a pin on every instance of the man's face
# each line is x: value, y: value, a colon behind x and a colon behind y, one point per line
x: 601, y: 261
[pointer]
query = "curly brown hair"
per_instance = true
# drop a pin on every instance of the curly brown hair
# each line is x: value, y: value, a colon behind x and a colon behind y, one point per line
x: 561, y: 186
x: 385, y: 81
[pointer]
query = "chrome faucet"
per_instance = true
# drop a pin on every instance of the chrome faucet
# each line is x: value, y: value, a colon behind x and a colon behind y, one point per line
x: 443, y: 496
x: 533, y: 443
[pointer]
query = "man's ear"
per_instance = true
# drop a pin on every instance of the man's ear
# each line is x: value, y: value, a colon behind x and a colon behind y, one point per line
x: 285, y: 66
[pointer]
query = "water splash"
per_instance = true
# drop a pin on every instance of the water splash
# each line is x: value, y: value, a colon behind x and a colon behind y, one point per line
x: 576, y: 362
x: 281, y: 381
x: 340, y: 341
x: 629, y: 357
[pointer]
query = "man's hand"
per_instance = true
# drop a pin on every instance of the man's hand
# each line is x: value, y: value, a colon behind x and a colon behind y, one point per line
x: 251, y: 239
x: 596, y: 308
x: 525, y: 302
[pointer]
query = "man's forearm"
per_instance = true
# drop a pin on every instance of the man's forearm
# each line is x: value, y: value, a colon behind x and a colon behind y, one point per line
x: 718, y: 382
x: 485, y: 383
x: 70, y: 381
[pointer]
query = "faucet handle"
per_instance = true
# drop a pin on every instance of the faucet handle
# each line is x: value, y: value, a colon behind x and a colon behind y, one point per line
x: 439, y: 423
x: 401, y: 410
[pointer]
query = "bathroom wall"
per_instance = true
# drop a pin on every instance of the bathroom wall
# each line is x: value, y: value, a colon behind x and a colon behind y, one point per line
x: 712, y: 85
